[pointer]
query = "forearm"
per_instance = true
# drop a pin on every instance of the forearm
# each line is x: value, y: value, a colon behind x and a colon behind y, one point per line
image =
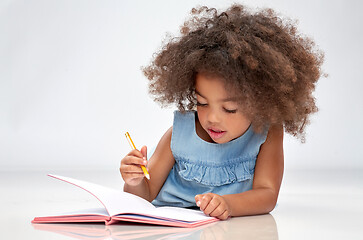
x: 141, y: 190
x: 253, y: 202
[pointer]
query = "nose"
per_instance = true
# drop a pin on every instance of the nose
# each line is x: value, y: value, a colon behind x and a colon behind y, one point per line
x: 213, y: 116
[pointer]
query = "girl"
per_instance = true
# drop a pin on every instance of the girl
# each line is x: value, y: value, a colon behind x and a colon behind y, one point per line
x: 240, y: 79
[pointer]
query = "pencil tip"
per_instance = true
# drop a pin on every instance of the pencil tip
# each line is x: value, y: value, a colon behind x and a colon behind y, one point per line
x: 147, y: 176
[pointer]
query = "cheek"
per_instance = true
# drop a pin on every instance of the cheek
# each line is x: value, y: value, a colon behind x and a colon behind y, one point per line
x: 200, y: 114
x: 230, y: 122
x: 237, y: 123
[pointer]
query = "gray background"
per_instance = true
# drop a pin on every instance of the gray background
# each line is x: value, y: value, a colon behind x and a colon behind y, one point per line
x: 71, y: 85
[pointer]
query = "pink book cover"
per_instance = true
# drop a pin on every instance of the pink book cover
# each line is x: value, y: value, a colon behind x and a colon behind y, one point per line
x: 120, y: 206
x: 124, y: 231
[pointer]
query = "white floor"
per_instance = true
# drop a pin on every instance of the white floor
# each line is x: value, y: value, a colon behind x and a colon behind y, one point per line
x: 312, y: 205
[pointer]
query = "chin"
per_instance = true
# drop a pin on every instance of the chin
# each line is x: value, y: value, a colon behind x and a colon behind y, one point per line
x: 220, y: 141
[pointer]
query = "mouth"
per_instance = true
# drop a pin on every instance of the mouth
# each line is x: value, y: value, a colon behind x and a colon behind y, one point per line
x: 215, y: 133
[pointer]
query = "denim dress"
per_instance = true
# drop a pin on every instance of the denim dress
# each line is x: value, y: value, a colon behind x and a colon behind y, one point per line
x: 203, y: 167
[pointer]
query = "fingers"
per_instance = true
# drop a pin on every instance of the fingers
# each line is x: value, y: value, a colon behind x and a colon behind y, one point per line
x: 130, y: 166
x: 208, y: 204
x: 213, y: 205
x: 140, y: 157
x: 136, y: 153
x: 223, y: 216
x: 144, y: 152
x: 133, y: 160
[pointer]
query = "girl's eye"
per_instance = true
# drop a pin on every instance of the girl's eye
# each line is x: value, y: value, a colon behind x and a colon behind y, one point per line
x: 230, y: 111
x: 201, y: 104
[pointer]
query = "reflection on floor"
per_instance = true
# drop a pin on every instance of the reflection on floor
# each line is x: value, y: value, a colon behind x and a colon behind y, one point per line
x: 263, y: 227
x: 312, y: 205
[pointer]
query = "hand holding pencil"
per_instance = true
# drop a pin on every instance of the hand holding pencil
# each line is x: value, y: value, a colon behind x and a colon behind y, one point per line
x: 133, y: 147
x: 132, y: 167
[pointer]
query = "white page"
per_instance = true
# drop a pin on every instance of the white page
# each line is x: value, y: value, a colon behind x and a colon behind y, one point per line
x: 88, y: 211
x: 183, y: 214
x: 118, y: 202
x: 114, y: 201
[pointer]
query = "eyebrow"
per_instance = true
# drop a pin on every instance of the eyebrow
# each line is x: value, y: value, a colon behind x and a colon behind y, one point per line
x: 230, y: 99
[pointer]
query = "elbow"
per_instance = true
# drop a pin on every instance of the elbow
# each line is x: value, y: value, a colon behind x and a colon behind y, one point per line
x: 271, y: 206
x: 270, y: 203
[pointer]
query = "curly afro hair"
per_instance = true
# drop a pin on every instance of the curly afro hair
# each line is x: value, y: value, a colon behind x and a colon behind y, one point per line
x: 263, y: 60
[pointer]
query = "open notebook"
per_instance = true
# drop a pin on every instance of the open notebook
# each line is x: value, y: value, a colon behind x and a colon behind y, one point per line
x: 122, y: 206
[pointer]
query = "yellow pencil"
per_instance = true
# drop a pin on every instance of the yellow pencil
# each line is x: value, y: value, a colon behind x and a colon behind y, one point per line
x: 128, y: 137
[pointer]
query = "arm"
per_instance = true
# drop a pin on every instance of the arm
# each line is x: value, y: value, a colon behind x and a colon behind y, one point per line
x: 266, y: 184
x: 159, y: 167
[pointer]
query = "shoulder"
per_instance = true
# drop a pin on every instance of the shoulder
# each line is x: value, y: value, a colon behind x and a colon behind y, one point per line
x: 271, y: 150
x: 169, y: 132
x: 167, y: 135
x: 163, y: 150
x: 275, y: 133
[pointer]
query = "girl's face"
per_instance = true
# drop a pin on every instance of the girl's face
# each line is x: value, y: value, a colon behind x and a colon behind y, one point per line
x: 219, y: 114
